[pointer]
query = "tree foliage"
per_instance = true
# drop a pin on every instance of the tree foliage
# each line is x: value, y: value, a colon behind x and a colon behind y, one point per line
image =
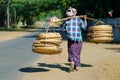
x: 32, y: 10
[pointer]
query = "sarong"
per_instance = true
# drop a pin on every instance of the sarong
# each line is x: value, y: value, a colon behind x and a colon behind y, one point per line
x: 74, y: 51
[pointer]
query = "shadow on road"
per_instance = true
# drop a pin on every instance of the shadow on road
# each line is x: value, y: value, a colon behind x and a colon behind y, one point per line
x: 54, y: 66
x: 114, y: 48
x: 31, y: 69
x: 82, y: 65
x: 86, y: 65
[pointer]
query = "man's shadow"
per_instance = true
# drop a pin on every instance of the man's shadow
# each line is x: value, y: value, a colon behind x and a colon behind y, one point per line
x: 58, y: 66
x: 86, y: 65
x: 44, y: 67
x: 82, y: 65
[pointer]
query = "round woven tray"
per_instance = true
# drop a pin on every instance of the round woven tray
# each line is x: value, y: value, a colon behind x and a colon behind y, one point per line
x: 103, y: 31
x: 48, y: 35
x: 100, y: 35
x: 53, y: 41
x: 47, y: 50
x: 101, y: 28
x: 101, y: 39
x: 43, y: 45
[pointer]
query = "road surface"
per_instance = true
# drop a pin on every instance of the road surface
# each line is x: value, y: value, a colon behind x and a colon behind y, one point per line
x: 16, y: 54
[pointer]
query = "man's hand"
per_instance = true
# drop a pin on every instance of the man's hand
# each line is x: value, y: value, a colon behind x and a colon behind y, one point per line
x: 85, y: 18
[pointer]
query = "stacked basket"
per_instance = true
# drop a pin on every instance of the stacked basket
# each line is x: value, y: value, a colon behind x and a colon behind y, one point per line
x: 47, y: 43
x: 100, y: 33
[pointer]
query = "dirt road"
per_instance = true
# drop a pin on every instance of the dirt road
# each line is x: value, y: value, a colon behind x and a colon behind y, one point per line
x: 4, y: 36
x: 99, y: 62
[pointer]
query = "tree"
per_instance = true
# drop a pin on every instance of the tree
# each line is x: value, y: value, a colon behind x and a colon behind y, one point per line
x: 8, y: 14
x: 32, y: 10
x: 3, y: 12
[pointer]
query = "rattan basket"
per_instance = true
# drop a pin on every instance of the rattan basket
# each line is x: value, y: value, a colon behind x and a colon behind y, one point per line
x: 47, y: 43
x: 100, y: 33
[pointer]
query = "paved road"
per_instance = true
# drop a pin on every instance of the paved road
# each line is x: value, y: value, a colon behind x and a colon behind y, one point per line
x: 16, y: 54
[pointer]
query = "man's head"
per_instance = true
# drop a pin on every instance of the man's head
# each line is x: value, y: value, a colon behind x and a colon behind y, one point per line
x: 71, y: 11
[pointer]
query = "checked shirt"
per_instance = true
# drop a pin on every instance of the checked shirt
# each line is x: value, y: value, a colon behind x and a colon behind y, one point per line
x: 73, y: 27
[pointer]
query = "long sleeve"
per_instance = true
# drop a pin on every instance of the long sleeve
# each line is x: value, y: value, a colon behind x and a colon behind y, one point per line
x: 62, y: 26
x: 84, y: 25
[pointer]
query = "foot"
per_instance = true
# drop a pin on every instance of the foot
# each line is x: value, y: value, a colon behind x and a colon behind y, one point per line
x: 75, y: 68
x: 71, y: 67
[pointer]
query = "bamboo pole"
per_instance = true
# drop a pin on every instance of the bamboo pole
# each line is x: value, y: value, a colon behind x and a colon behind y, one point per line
x: 80, y: 16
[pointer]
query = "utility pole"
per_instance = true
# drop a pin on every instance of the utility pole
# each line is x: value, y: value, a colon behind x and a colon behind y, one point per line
x: 8, y: 14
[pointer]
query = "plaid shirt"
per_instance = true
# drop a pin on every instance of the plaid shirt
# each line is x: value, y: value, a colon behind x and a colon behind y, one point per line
x: 73, y: 28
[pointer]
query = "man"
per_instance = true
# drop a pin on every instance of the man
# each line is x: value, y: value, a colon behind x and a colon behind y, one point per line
x: 72, y: 27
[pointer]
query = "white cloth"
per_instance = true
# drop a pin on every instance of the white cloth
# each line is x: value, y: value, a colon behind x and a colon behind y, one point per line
x: 71, y: 11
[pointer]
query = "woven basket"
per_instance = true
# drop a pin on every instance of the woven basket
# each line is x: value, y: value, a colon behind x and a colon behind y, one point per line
x: 100, y: 34
x: 47, y: 43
